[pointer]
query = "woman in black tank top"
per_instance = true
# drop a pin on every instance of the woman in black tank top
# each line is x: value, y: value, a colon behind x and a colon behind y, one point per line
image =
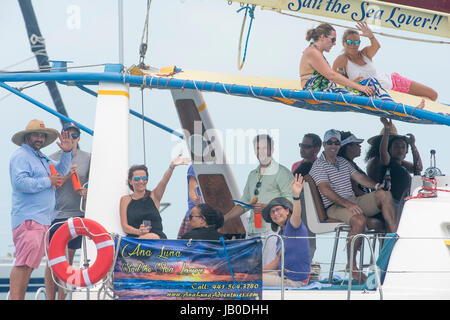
x: 143, y: 205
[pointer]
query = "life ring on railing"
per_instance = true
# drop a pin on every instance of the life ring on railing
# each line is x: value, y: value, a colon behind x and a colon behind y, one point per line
x: 105, y: 252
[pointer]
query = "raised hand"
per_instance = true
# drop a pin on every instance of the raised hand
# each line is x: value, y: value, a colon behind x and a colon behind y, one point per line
x: 64, y: 142
x: 365, y: 30
x: 297, y: 185
x: 179, y: 161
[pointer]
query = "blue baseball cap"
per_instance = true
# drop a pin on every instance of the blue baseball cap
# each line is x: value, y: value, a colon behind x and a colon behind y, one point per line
x: 70, y: 125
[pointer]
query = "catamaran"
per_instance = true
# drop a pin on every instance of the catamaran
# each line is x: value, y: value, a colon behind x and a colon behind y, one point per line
x: 425, y: 222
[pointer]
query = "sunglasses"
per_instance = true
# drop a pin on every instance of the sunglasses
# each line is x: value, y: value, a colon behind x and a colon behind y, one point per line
x: 305, y: 146
x: 336, y: 143
x: 258, y: 185
x: 137, y: 178
x: 355, y: 42
x: 276, y: 209
x: 191, y: 216
x: 332, y: 39
x: 75, y: 135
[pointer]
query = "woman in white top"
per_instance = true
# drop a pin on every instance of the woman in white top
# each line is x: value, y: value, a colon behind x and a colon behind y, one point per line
x: 357, y: 64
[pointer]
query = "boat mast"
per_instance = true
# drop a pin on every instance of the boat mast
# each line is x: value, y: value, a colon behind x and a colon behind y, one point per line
x: 37, y: 44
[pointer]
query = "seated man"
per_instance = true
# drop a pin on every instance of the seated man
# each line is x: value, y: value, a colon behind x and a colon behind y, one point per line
x: 333, y: 175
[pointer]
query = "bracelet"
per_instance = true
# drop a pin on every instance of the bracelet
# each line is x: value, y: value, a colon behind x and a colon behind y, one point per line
x: 376, y: 186
x: 170, y: 167
x: 296, y: 198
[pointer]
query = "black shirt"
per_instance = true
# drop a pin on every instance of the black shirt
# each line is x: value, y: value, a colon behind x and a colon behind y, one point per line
x: 203, y: 233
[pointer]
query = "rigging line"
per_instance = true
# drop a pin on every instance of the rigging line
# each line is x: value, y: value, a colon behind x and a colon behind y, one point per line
x: 17, y: 63
x: 49, y: 68
x: 144, y: 45
x: 143, y: 125
x: 375, y: 32
x: 251, y: 13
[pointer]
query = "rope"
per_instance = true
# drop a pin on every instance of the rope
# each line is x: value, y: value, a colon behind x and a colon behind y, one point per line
x: 251, y: 13
x: 375, y: 32
x: 231, y: 269
x: 143, y: 125
x: 143, y: 46
x: 432, y: 190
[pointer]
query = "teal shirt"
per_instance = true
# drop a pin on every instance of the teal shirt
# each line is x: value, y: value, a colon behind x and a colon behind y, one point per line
x: 276, y: 182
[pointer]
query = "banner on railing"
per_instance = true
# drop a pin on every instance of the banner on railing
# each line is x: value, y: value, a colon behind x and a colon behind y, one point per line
x: 181, y: 269
x: 375, y: 13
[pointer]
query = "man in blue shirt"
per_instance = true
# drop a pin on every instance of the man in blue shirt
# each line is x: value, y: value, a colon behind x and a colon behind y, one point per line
x: 33, y: 198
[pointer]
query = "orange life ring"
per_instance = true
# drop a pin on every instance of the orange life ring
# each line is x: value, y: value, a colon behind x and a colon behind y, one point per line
x: 105, y: 252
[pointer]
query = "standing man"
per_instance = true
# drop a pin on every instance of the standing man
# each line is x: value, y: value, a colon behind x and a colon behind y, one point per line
x: 309, y: 149
x: 268, y: 181
x: 33, y: 198
x: 68, y: 199
x: 333, y: 175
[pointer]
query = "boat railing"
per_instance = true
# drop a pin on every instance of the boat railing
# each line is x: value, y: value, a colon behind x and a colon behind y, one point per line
x: 373, y: 264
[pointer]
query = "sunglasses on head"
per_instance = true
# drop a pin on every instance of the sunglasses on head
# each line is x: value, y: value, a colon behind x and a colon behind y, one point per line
x: 336, y: 143
x: 305, y: 146
x: 137, y: 178
x: 258, y: 185
x: 355, y: 42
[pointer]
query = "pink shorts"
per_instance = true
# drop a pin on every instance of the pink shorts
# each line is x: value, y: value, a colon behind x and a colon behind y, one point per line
x: 28, y: 239
x: 399, y: 83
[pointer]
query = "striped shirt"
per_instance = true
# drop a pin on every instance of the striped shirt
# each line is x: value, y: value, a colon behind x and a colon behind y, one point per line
x: 337, y: 175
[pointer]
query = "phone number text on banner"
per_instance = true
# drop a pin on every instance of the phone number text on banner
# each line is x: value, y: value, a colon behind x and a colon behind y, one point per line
x: 181, y: 269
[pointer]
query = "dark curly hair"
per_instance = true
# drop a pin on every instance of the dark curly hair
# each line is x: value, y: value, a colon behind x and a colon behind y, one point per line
x: 374, y: 150
x: 213, y: 217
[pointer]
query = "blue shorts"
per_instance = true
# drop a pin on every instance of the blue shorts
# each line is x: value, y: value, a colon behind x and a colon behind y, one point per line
x: 73, y: 244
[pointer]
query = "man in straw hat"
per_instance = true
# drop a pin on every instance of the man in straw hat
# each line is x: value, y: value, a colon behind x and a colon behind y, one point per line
x: 33, y: 198
x: 333, y: 176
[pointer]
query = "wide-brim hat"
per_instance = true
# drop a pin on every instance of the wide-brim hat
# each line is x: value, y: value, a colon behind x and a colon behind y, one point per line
x: 280, y: 201
x: 392, y: 134
x: 35, y: 126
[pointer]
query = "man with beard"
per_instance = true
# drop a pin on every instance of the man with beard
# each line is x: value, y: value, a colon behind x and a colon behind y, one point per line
x: 268, y: 181
x: 33, y: 198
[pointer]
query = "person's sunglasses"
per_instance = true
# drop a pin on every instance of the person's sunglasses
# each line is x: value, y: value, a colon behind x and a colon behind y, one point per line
x: 355, y: 42
x: 332, y: 39
x: 191, y: 216
x: 137, y: 178
x: 305, y: 146
x: 75, y: 135
x: 258, y: 185
x: 336, y: 143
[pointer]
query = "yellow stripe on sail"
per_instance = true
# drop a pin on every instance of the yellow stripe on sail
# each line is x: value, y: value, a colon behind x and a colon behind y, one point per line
x: 114, y: 93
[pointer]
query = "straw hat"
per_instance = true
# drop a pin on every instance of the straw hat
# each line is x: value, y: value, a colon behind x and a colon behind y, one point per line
x: 35, y: 126
x: 392, y: 134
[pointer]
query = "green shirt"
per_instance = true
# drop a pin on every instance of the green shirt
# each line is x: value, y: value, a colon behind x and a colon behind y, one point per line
x: 275, y: 182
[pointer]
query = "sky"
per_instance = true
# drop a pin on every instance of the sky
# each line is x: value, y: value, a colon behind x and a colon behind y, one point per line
x: 204, y: 35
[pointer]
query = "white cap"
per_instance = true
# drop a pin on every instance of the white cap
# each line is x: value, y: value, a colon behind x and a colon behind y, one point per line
x: 351, y: 139
x: 331, y: 134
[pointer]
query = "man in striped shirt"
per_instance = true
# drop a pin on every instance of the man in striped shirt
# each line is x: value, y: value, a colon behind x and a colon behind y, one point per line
x: 333, y: 175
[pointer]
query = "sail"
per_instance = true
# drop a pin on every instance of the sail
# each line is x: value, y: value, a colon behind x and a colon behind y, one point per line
x: 388, y: 14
